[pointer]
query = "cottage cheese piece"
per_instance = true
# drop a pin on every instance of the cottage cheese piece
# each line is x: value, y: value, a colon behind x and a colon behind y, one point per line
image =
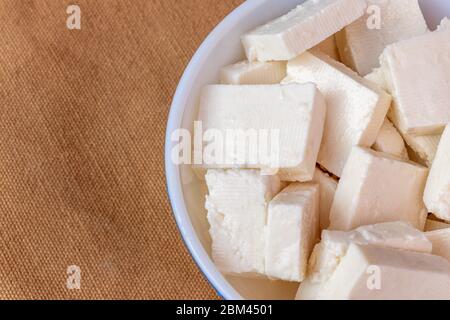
x: 237, y: 211
x: 376, y: 187
x: 327, y: 254
x: 328, y: 47
x: 437, y: 191
x: 433, y: 225
x: 417, y: 75
x: 246, y: 72
x: 292, y: 231
x: 376, y: 273
x: 390, y: 141
x: 361, y: 43
x: 294, y: 112
x: 301, y: 29
x: 356, y: 108
x: 328, y: 186
x: 422, y: 149
x: 441, y: 242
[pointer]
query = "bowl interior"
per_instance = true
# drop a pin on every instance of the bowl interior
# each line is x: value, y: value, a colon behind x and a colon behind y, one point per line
x: 222, y: 48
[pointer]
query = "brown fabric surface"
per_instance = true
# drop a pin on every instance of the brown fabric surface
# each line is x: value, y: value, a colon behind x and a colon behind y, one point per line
x: 82, y: 121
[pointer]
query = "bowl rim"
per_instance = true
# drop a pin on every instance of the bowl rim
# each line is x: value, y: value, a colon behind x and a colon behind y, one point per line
x: 173, y: 180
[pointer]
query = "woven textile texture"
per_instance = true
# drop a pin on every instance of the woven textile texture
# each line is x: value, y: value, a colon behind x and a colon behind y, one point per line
x: 82, y: 123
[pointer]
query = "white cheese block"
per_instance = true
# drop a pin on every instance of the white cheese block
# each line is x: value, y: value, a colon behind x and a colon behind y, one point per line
x: 362, y: 42
x: 445, y: 24
x: 246, y: 72
x: 328, y: 186
x: 301, y: 29
x: 377, y: 77
x: 441, y: 242
x: 237, y: 204
x: 437, y: 191
x: 432, y: 225
x: 422, y: 149
x: 417, y: 73
x: 356, y: 108
x: 390, y: 141
x: 377, y: 273
x: 376, y: 187
x: 328, y: 47
x: 397, y: 234
x: 292, y: 231
x: 295, y: 112
x: 334, y: 245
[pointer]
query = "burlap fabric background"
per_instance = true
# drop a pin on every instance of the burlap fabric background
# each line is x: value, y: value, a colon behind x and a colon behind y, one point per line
x: 82, y: 121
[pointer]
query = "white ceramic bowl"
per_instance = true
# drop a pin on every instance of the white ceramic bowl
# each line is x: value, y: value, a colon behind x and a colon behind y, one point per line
x: 186, y: 192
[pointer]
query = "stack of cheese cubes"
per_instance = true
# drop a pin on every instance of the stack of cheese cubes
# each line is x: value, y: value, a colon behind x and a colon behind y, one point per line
x: 362, y: 187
